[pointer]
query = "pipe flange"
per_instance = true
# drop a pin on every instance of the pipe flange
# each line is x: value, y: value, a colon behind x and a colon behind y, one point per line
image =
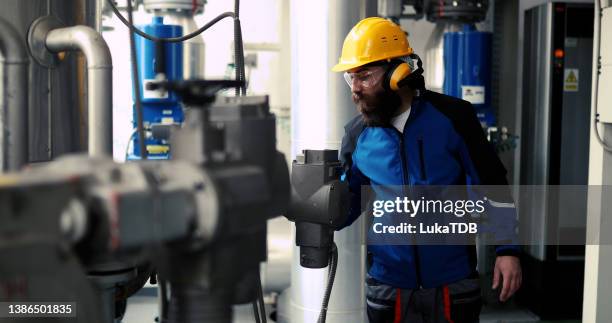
x: 37, y: 36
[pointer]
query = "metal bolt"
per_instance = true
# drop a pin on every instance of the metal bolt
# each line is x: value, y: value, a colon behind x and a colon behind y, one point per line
x: 198, y: 186
x: 115, y: 175
x: 72, y: 221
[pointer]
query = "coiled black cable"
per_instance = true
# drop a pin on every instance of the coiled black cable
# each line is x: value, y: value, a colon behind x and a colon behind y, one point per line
x: 238, y: 50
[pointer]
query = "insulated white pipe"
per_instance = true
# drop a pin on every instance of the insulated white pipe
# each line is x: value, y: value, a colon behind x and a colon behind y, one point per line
x: 321, y: 105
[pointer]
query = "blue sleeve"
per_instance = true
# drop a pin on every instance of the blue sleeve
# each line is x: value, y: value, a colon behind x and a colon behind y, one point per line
x: 356, y: 180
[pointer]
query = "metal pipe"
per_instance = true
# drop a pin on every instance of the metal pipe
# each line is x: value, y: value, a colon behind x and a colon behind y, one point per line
x: 99, y: 81
x: 15, y: 92
x: 193, y: 49
x: 317, y: 122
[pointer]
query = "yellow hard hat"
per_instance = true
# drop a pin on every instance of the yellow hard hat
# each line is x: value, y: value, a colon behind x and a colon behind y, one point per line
x: 372, y: 39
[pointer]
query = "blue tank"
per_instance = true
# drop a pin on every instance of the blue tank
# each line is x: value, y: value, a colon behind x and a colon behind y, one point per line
x: 159, y: 107
x: 467, y: 70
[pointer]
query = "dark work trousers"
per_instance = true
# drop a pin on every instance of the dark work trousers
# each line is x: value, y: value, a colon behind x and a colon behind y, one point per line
x: 458, y: 302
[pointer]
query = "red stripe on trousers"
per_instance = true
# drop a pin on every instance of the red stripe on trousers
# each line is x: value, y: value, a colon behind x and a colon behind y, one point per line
x: 398, y: 308
x: 447, y: 303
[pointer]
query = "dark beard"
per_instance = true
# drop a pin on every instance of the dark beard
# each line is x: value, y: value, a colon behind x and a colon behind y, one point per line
x: 378, y: 111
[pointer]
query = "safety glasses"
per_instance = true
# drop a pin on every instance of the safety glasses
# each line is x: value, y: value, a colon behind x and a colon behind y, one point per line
x: 366, y: 78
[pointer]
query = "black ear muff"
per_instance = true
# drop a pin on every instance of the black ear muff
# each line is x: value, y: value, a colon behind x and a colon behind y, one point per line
x: 399, y: 74
x: 415, y: 79
x: 397, y: 71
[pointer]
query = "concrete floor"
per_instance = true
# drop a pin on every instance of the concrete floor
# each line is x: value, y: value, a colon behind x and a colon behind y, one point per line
x: 143, y: 309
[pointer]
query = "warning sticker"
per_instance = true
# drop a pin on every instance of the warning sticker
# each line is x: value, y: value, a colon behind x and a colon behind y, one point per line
x: 473, y: 94
x: 570, y: 80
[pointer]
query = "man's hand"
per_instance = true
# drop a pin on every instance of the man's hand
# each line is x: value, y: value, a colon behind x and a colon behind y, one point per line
x: 507, y: 268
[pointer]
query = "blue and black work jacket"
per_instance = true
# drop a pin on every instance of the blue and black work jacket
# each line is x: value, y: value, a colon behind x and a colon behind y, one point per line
x: 443, y: 144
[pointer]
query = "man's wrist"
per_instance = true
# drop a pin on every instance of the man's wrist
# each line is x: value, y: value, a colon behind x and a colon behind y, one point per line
x: 508, y: 252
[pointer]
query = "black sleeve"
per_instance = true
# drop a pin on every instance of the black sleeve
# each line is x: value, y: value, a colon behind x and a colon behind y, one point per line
x: 489, y: 168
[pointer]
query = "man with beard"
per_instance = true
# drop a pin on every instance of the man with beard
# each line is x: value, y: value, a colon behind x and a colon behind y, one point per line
x: 407, y: 136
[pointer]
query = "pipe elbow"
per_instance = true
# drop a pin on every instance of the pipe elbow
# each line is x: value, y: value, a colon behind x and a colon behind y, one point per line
x: 84, y: 39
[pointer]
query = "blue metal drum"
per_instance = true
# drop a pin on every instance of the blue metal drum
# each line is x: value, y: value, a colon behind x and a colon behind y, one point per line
x: 467, y: 70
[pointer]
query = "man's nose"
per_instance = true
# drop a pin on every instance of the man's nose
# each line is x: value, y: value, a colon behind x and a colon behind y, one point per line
x: 356, y: 86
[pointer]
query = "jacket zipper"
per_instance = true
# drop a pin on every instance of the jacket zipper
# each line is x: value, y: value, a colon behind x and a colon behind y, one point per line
x: 405, y: 181
x: 422, y: 159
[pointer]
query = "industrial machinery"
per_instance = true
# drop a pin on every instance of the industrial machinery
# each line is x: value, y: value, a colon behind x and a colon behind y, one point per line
x: 466, y: 53
x: 160, y: 109
x: 200, y: 219
x: 556, y: 121
x: 181, y: 13
x: 188, y: 211
x: 162, y: 60
x: 467, y: 70
x: 458, y: 56
x: 319, y: 204
x: 115, y: 225
x: 169, y: 48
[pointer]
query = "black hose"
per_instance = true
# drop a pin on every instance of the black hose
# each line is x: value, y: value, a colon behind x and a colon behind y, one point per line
x: 241, y: 59
x: 238, y: 50
x: 264, y: 319
x: 163, y: 295
x: 131, y: 26
x: 136, y: 85
x: 259, y: 308
x: 333, y: 263
x: 256, y: 311
x: 236, y: 56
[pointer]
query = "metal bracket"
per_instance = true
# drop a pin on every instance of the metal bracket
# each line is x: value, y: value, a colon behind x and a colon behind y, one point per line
x: 37, y: 36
